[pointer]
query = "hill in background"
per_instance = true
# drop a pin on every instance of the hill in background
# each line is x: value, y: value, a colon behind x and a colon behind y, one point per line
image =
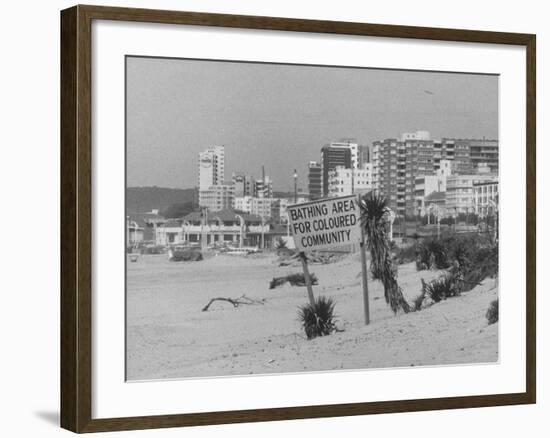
x: 145, y: 199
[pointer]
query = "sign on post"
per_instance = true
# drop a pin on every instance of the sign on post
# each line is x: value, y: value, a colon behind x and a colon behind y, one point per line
x: 328, y: 224
x: 325, y: 224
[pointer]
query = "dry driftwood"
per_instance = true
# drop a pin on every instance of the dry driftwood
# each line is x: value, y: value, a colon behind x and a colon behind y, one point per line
x: 243, y: 299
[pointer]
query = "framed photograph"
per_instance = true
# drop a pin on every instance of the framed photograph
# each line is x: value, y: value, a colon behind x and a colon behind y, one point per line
x: 270, y: 218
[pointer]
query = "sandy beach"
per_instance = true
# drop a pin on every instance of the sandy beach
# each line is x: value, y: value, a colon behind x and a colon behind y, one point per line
x: 168, y: 336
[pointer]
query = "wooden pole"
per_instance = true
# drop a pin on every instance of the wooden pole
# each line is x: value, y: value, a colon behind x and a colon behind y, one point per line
x: 364, y: 276
x: 307, y: 278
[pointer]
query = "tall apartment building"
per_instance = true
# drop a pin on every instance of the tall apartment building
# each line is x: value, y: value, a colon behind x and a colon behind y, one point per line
x: 343, y: 182
x: 211, y: 167
x: 398, y: 162
x: 484, y: 153
x: 331, y: 157
x: 363, y: 155
x: 352, y: 146
x: 315, y: 180
x: 211, y: 172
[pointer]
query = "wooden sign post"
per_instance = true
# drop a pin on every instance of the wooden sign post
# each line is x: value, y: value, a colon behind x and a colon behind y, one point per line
x: 307, y: 278
x: 324, y: 225
x: 364, y: 273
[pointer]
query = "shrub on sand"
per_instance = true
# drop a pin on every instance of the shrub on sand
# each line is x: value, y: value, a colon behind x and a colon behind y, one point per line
x: 432, y: 254
x: 406, y: 254
x: 492, y: 312
x: 296, y: 279
x: 441, y: 288
x: 318, y: 320
x: 280, y: 243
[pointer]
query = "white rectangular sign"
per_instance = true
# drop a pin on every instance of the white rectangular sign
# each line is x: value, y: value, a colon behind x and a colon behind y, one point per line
x: 325, y: 224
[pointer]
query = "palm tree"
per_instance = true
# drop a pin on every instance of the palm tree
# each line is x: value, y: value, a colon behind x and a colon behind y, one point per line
x: 374, y: 219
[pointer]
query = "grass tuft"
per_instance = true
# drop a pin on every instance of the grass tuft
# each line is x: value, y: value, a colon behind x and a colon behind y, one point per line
x: 318, y: 320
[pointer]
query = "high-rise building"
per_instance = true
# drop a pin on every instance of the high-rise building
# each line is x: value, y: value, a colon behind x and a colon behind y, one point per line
x: 363, y: 155
x: 211, y: 167
x: 331, y: 157
x: 211, y: 173
x: 315, y: 180
x: 482, y: 153
x: 352, y: 146
x: 398, y: 163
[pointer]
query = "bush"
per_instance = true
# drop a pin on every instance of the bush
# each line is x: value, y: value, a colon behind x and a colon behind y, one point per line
x: 186, y: 255
x: 280, y: 243
x: 492, y: 312
x: 432, y: 254
x: 484, y: 265
x: 318, y: 320
x: 441, y: 288
x: 406, y: 254
x: 297, y: 279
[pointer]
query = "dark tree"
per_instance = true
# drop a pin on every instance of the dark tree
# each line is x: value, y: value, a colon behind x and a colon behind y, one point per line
x: 374, y: 219
x: 178, y: 210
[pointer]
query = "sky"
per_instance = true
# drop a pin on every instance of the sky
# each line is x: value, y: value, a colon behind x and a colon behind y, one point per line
x: 280, y: 115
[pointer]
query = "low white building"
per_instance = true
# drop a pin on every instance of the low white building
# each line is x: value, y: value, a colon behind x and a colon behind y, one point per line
x: 343, y: 181
x: 217, y: 197
x: 263, y: 207
x: 485, y: 196
x: 224, y: 226
x: 460, y: 191
x: 243, y: 203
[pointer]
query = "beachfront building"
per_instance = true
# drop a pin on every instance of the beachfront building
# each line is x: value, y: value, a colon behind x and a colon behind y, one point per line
x: 263, y: 187
x: 342, y: 181
x: 243, y: 203
x: 141, y: 226
x: 485, y: 197
x: 398, y: 162
x: 315, y: 180
x: 434, y: 203
x: 425, y: 185
x: 226, y: 226
x: 211, y: 167
x: 211, y: 173
x: 134, y: 232
x: 460, y: 191
x: 218, y: 197
x: 244, y: 184
x: 351, y: 145
x: 363, y: 155
x: 332, y: 157
x: 263, y: 207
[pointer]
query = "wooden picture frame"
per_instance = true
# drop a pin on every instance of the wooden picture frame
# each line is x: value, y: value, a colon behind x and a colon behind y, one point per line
x: 76, y: 217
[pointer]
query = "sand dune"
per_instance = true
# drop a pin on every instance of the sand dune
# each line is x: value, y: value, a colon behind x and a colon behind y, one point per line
x: 170, y: 337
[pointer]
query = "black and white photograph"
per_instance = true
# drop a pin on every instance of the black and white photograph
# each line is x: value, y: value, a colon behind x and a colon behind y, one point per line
x: 287, y: 218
